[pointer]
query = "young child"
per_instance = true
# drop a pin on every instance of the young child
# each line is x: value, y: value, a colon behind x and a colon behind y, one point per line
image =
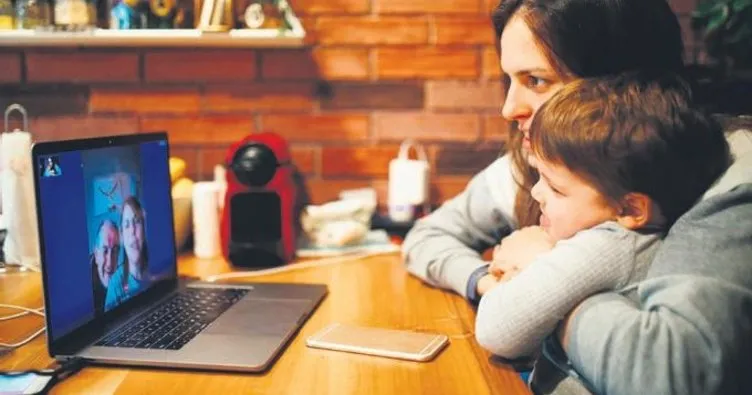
x: 620, y: 159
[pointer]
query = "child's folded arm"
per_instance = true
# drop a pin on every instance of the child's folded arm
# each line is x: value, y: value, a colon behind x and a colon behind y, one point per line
x: 514, y: 317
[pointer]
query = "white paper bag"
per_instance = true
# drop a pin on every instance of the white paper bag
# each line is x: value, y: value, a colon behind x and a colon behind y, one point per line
x: 408, y: 183
x: 21, y: 245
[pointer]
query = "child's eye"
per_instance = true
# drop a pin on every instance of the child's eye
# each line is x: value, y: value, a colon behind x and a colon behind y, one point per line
x: 558, y: 191
x: 554, y: 189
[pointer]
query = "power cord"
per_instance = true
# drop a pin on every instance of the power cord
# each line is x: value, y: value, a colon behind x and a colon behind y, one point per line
x: 24, y: 311
x: 24, y: 341
x: 295, y: 266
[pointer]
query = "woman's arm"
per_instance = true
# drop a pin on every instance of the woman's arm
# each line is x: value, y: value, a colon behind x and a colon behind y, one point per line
x: 515, y: 316
x: 443, y: 249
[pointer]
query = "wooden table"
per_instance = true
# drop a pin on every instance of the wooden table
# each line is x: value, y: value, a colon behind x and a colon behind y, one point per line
x: 374, y: 291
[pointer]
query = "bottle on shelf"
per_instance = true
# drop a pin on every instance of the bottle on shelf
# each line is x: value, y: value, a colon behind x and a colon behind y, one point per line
x: 7, y: 15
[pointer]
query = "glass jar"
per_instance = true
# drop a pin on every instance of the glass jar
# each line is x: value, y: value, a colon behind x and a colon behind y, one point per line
x: 75, y: 14
x: 32, y: 14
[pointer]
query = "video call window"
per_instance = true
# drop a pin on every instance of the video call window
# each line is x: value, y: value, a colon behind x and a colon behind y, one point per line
x: 116, y: 217
x: 50, y: 166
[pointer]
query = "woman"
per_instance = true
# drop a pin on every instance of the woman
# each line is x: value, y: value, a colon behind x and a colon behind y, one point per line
x: 545, y: 43
x: 132, y: 275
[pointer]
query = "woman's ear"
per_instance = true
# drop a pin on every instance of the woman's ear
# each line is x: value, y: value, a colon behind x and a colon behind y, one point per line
x: 636, y: 210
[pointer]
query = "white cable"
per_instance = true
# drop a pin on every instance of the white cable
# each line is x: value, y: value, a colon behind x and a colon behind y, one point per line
x: 19, y: 268
x: 25, y: 311
x: 12, y: 316
x: 294, y: 266
x: 24, y: 341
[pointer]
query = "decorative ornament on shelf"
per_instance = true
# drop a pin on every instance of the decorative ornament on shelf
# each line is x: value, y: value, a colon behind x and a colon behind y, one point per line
x: 161, y: 14
x: 260, y: 14
x: 215, y: 16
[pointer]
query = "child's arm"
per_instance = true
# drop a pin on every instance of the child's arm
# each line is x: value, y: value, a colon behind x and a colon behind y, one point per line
x: 518, y: 250
x: 514, y: 317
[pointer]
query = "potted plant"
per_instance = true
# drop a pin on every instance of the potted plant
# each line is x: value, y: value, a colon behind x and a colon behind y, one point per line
x: 725, y: 28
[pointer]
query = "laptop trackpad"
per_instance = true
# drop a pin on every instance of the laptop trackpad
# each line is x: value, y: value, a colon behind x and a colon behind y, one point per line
x: 260, y: 316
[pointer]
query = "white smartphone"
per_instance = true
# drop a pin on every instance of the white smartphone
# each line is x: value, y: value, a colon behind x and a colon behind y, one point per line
x: 390, y: 343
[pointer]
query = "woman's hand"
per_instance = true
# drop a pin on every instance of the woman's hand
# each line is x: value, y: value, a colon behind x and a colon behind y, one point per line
x: 491, y: 280
x: 517, y: 251
x: 486, y: 283
x: 564, y: 328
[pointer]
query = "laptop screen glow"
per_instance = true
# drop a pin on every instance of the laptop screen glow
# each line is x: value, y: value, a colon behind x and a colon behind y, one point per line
x: 107, y: 229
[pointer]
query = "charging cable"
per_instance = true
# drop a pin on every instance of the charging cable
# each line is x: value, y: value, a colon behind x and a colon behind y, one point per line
x: 24, y: 311
x: 65, y: 369
x: 24, y: 341
x: 40, y: 381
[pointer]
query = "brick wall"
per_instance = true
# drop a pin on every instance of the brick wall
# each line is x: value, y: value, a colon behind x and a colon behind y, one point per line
x: 374, y: 73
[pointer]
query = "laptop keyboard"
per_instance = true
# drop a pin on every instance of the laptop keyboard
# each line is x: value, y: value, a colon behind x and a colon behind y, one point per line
x: 176, y: 321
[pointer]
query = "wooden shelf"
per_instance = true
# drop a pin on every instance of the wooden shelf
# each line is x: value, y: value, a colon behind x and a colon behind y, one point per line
x: 248, y: 38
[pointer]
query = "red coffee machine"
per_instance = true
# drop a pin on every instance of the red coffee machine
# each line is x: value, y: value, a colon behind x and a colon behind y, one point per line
x: 259, y: 218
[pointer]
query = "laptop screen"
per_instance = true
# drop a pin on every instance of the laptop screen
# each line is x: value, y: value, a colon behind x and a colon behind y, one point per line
x: 106, y: 227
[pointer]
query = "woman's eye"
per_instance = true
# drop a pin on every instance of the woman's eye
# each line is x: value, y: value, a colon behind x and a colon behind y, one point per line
x: 535, y: 82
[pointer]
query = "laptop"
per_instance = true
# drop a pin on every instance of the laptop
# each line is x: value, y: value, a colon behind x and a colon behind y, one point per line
x: 111, y: 289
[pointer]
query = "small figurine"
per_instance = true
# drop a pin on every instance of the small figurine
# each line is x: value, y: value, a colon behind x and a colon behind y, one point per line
x: 127, y: 14
x: 161, y: 14
x: 184, y: 15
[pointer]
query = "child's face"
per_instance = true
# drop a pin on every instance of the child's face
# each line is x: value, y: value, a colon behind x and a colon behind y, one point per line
x: 569, y: 204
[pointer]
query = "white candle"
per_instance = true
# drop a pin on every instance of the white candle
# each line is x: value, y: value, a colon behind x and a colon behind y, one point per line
x: 206, y: 242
